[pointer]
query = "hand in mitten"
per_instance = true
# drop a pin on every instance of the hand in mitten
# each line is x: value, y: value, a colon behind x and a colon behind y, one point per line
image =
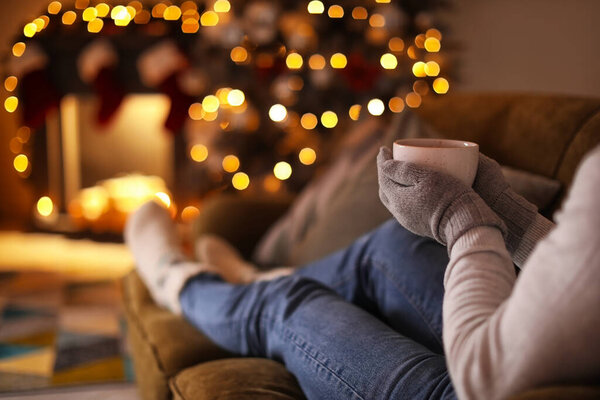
x: 516, y: 212
x: 430, y: 203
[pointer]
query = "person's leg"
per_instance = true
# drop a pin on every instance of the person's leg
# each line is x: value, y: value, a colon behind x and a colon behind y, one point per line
x: 395, y: 275
x: 335, y: 349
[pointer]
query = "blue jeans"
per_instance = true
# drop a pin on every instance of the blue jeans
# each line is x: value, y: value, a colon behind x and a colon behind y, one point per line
x: 363, y: 323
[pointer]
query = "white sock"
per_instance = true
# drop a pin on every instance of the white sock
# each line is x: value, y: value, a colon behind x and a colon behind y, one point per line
x: 151, y: 235
x: 217, y: 252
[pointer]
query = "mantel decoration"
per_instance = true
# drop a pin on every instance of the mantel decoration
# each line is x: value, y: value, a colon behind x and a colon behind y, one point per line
x: 276, y: 78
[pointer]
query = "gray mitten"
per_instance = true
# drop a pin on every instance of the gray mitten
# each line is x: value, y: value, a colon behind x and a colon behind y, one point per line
x: 516, y: 212
x: 429, y: 203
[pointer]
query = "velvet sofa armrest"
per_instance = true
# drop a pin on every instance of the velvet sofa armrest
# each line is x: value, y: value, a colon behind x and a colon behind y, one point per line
x: 241, y: 220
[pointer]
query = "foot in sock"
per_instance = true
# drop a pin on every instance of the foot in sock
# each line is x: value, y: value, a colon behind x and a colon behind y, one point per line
x: 151, y: 235
x: 232, y: 267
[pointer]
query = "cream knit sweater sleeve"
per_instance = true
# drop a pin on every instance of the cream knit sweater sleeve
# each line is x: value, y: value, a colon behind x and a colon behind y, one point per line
x: 503, y: 336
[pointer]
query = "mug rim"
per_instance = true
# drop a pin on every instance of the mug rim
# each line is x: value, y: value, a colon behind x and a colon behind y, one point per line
x: 454, y: 144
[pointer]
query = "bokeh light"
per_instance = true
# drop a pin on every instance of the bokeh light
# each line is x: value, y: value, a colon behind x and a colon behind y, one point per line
x: 240, y: 181
x: 396, y: 104
x: 375, y: 107
x: 307, y: 156
x: 388, y: 61
x: 309, y: 121
x: 441, y: 86
x: 277, y: 112
x: 329, y: 119
x: 316, y: 7
x: 282, y: 170
x: 21, y: 162
x: 45, y: 206
x: 230, y: 163
x: 354, y: 112
x: 338, y: 61
x: 294, y: 61
x: 199, y: 152
x: 210, y: 103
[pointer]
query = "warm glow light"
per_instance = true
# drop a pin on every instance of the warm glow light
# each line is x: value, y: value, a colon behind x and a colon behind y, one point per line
x: 209, y: 18
x: 335, y: 11
x: 277, y: 112
x: 316, y: 7
x: 210, y: 103
x: 329, y: 119
x: 30, y: 29
x: 90, y: 14
x: 432, y: 68
x: 271, y: 184
x: 172, y: 13
x: 159, y: 10
x: 15, y: 145
x: 18, y: 49
x: 143, y: 17
x: 119, y: 12
x: 196, y: 112
x: 54, y: 7
x: 11, y: 104
x: 354, y: 112
x: 24, y: 133
x: 309, y: 121
x: 199, y: 152
x: 240, y: 181
x: 388, y: 61
x: 377, y: 21
x: 10, y: 83
x: 418, y: 69
x: 411, y: 52
x: 189, y: 214
x: 316, y: 61
x: 413, y: 100
x: 21, y: 162
x: 95, y: 25
x: 307, y: 156
x: 396, y: 104
x: 432, y: 45
x: 236, y: 97
x: 45, y: 206
x: 375, y: 106
x: 210, y: 116
x: 421, y: 87
x: 294, y: 61
x: 164, y: 198
x: 420, y: 41
x: 222, y: 6
x: 222, y: 94
x: 239, y: 54
x: 40, y: 24
x: 103, y: 9
x: 295, y: 83
x: 441, y: 86
x: 46, y: 20
x: 338, y: 61
x: 230, y: 163
x: 382, y: 1
x: 69, y: 18
x: 282, y: 170
x: 136, y: 5
x: 81, y: 4
x: 396, y: 44
x: 433, y: 33
x: 359, y: 13
x: 190, y: 25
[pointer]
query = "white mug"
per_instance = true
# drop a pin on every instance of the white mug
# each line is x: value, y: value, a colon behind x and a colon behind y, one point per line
x: 453, y: 157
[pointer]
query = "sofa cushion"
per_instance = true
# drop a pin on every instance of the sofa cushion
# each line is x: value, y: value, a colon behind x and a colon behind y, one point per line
x: 236, y: 379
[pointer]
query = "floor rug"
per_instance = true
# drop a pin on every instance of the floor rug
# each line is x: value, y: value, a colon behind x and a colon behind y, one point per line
x: 59, y: 331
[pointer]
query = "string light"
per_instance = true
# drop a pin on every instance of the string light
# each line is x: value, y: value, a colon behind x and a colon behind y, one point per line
x: 102, y: 9
x: 335, y: 11
x: 39, y: 23
x: 172, y: 13
x: 359, y: 13
x: 434, y: 33
x: 432, y: 45
x: 81, y: 4
x: 377, y: 21
x: 316, y: 7
x: 282, y: 170
x: 11, y: 104
x: 441, y: 86
x: 432, y: 68
x: 309, y: 121
x: 15, y: 145
x: 294, y: 61
x: 10, y: 83
x: 199, y: 153
x: 329, y: 119
x: 196, y: 112
x: 189, y: 213
x: 418, y: 69
x: 159, y: 10
x: 271, y: 184
x: 69, y: 18
x: 338, y: 61
x: 222, y: 94
x: 54, y: 7
x: 95, y: 25
x: 382, y: 1
x: 222, y: 6
x: 188, y: 5
x: 209, y: 18
x: 317, y: 61
x: 30, y: 29
x: 18, y: 49
x: 230, y: 163
x: 89, y: 14
x: 190, y: 25
x: 240, y: 181
x: 307, y: 156
x: 236, y: 97
x: 46, y: 20
x: 164, y: 198
x: 143, y: 17
x: 413, y: 100
x: 277, y: 112
x: 388, y: 61
x: 238, y: 54
x: 21, y: 162
x: 420, y: 41
x: 354, y: 112
x: 375, y: 107
x: 396, y: 104
x: 210, y: 103
x: 45, y: 206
